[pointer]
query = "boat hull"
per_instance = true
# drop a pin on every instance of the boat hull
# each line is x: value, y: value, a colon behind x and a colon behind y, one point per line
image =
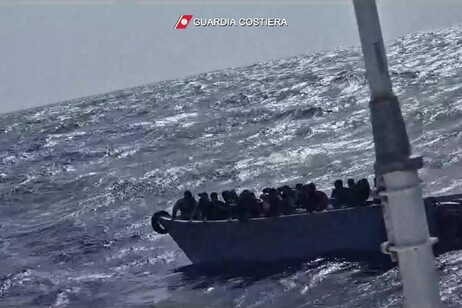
x: 284, y: 238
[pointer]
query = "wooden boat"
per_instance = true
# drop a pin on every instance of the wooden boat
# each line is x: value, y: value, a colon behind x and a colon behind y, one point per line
x: 302, y: 236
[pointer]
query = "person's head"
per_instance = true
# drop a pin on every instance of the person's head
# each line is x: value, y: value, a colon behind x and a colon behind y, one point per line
x: 338, y: 184
x: 266, y: 190
x: 364, y: 183
x: 351, y: 183
x: 299, y: 186
x: 244, y: 193
x: 271, y: 192
x: 187, y: 194
x: 214, y: 196
x: 233, y: 194
x: 225, y: 195
x: 203, y: 195
x: 311, y: 187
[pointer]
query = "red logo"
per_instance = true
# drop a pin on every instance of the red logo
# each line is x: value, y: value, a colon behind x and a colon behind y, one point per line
x: 183, y: 22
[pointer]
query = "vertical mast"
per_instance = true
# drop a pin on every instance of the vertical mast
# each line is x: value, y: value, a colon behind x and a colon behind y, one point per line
x: 404, y: 212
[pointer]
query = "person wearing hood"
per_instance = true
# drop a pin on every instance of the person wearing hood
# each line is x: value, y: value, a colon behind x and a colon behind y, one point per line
x: 353, y: 195
x: 205, y: 206
x: 339, y: 194
x: 288, y: 200
x: 220, y: 210
x: 275, y: 203
x: 364, y: 191
x: 248, y: 206
x: 316, y: 199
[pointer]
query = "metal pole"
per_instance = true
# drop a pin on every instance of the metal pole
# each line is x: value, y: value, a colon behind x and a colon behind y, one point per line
x: 408, y: 236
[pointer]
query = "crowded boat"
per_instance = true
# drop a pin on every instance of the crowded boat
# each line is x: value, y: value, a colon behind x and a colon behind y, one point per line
x: 271, y: 202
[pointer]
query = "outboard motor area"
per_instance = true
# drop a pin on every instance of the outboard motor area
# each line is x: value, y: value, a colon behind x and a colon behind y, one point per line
x: 155, y: 222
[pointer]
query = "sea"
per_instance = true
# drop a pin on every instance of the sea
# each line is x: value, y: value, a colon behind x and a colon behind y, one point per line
x: 79, y: 180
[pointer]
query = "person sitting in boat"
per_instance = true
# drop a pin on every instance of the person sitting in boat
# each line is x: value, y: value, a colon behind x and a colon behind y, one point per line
x: 234, y: 197
x: 351, y: 183
x: 339, y: 194
x: 275, y: 203
x: 303, y: 199
x: 187, y: 206
x: 288, y: 200
x: 316, y: 199
x: 265, y: 203
x: 364, y: 191
x: 298, y: 195
x: 205, y: 206
x: 288, y: 191
x: 220, y: 210
x: 281, y: 189
x: 247, y: 205
x: 256, y: 206
x: 353, y: 197
x: 226, y: 197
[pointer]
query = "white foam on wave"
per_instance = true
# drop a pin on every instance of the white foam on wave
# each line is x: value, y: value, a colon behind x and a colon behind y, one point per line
x: 126, y: 151
x: 123, y: 253
x: 174, y: 119
x: 53, y: 139
x: 14, y: 280
x: 452, y: 186
x: 62, y: 298
x: 143, y: 124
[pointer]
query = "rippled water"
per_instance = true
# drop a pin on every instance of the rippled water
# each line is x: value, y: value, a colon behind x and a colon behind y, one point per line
x: 79, y: 180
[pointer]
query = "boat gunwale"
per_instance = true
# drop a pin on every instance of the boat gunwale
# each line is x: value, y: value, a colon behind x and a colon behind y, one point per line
x: 266, y: 218
x: 432, y: 199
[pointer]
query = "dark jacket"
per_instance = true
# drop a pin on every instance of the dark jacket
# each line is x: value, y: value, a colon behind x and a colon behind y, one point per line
x: 205, y: 207
x: 220, y: 210
x: 340, y: 195
x: 187, y: 208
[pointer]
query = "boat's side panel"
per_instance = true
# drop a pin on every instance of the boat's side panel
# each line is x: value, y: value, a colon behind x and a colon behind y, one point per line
x: 283, y: 238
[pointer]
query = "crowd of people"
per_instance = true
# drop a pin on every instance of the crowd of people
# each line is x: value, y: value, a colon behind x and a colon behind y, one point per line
x: 272, y: 202
x: 353, y: 195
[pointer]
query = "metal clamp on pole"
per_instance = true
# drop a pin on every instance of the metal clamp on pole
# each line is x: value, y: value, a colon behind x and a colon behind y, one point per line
x: 388, y: 248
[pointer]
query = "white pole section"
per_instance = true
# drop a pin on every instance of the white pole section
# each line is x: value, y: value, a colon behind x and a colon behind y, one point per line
x: 404, y: 211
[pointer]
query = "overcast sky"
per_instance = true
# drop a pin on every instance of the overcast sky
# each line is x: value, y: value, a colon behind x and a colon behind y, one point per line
x: 52, y: 51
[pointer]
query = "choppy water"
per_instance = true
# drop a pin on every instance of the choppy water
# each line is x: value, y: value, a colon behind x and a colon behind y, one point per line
x: 79, y: 180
